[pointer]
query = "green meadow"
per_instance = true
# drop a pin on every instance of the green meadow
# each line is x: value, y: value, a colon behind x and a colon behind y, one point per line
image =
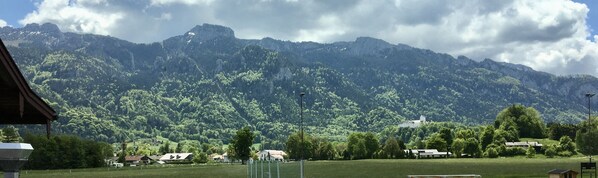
x: 499, y: 167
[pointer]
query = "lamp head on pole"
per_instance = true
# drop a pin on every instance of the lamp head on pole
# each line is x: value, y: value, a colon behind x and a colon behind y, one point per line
x: 589, y: 95
x: 302, y: 93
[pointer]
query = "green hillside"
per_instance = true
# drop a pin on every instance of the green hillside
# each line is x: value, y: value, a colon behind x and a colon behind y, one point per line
x: 205, y: 84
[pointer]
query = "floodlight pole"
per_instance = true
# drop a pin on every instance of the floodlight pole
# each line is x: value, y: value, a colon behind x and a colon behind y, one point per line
x: 301, y: 128
x: 589, y: 96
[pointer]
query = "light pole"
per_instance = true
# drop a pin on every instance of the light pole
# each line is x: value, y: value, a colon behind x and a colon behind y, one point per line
x: 589, y: 96
x: 301, y: 128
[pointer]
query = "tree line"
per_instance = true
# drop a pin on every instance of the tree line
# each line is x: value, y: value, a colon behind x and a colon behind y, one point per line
x: 66, y: 152
x: 511, y: 124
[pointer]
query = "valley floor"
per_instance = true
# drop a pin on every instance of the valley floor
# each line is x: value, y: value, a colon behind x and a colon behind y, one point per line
x: 500, y: 167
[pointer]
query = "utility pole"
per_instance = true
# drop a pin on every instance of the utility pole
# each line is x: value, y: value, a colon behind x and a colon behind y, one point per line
x: 301, y: 128
x: 589, y: 96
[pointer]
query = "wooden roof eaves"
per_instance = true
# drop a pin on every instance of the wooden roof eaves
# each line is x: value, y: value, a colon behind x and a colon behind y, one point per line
x: 23, y: 87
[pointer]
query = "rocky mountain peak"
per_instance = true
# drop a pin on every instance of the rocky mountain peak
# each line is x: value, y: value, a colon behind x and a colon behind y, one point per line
x: 46, y: 27
x: 368, y: 46
x: 208, y: 31
x: 495, y: 65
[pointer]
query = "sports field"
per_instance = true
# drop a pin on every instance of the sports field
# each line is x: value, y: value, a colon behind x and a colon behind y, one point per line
x: 500, y: 167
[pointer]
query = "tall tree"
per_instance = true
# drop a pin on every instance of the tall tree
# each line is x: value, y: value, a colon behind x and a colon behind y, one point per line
x: 508, y: 130
x: 230, y: 151
x: 527, y: 119
x: 436, y: 142
x: 558, y: 130
x: 472, y: 148
x: 323, y: 149
x: 242, y: 142
x: 123, y: 153
x: 165, y: 148
x: 465, y: 134
x: 358, y: 150
x: 487, y: 137
x: 392, y: 148
x: 294, y: 147
x: 586, y: 137
x: 457, y: 147
x: 447, y: 135
x: 179, y: 148
x: 371, y: 143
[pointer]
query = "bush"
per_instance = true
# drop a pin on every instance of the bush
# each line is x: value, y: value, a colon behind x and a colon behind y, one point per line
x: 502, y: 150
x: 550, y: 152
x: 566, y: 144
x: 531, y: 152
x: 565, y: 153
x: 515, y: 151
x: 491, y: 153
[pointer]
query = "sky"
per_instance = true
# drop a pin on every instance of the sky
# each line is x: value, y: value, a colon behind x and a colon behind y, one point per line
x: 555, y: 36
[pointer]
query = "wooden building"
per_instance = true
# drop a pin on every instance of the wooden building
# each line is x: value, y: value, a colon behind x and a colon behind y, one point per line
x: 561, y: 173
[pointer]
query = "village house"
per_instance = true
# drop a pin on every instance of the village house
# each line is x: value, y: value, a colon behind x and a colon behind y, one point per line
x: 427, y: 153
x: 176, y: 157
x: 110, y: 161
x: 413, y: 123
x: 537, y: 146
x: 138, y: 160
x: 276, y: 155
x: 217, y: 157
x: 227, y: 159
x: 155, y: 158
x: 523, y: 144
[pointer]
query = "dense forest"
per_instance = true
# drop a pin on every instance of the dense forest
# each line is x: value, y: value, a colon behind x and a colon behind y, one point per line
x: 205, y: 84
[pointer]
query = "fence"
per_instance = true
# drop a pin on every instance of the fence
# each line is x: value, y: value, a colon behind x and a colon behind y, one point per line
x: 272, y: 169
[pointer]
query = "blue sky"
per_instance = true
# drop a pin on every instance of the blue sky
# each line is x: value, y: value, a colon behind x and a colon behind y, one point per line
x: 592, y: 19
x: 547, y: 35
x: 12, y: 11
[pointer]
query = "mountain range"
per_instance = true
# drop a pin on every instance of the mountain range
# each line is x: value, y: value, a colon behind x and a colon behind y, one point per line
x: 206, y: 83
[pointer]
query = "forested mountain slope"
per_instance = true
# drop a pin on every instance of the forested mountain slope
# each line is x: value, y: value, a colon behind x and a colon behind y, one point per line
x: 205, y: 84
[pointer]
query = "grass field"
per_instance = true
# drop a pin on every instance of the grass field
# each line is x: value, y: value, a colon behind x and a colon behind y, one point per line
x: 501, y: 167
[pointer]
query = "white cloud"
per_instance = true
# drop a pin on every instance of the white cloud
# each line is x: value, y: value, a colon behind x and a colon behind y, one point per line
x: 2, y: 23
x: 328, y: 26
x: 186, y: 2
x: 546, y: 35
x: 76, y: 16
